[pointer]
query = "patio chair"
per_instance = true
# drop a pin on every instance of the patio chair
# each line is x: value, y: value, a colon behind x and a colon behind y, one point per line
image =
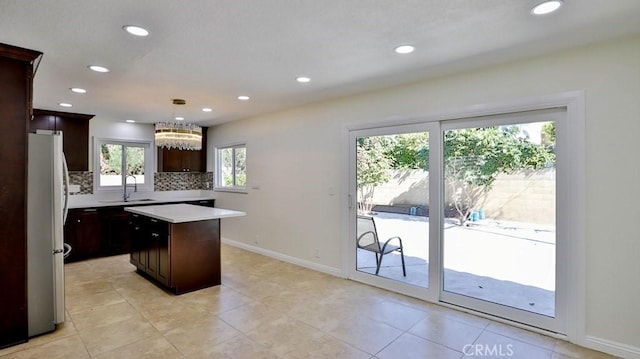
x: 368, y: 240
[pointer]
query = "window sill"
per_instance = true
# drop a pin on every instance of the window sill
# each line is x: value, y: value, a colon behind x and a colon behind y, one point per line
x: 231, y: 190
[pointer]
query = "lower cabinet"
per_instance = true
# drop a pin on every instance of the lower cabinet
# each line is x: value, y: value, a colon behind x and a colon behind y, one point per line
x: 117, y: 231
x: 107, y: 231
x: 83, y: 231
x: 97, y: 232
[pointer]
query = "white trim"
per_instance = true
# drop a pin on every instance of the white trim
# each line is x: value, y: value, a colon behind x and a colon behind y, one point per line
x: 285, y: 258
x: 436, y: 200
x: 504, y: 321
x: 348, y: 200
x: 231, y: 190
x: 611, y: 347
x: 577, y: 262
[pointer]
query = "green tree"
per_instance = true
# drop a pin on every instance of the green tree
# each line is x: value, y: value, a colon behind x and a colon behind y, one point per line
x: 372, y: 166
x: 474, y: 157
x: 409, y: 151
x: 111, y: 159
x: 135, y: 160
x: 548, y: 133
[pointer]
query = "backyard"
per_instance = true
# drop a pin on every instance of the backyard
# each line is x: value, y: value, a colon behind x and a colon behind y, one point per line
x: 509, y: 263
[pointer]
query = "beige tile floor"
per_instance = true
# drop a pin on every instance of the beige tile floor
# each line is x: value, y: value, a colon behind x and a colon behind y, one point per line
x: 266, y: 309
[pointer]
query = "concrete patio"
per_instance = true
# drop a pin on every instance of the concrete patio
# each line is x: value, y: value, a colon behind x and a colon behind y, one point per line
x: 503, y: 262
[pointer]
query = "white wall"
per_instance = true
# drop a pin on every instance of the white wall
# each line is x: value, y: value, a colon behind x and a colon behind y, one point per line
x: 295, y: 158
x: 108, y: 128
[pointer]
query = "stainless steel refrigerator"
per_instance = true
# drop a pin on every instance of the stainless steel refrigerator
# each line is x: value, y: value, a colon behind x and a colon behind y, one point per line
x: 47, y: 201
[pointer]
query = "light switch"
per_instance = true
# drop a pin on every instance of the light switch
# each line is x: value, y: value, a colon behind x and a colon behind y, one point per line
x: 74, y: 188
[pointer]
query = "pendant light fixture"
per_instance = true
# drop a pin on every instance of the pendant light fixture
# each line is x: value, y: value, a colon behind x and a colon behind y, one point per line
x: 178, y: 135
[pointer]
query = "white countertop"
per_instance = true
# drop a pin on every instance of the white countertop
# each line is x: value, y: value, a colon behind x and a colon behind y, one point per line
x: 115, y: 199
x: 181, y: 213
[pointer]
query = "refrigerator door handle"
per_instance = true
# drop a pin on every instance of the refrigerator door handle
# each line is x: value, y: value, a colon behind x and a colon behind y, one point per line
x: 67, y: 250
x: 65, y: 169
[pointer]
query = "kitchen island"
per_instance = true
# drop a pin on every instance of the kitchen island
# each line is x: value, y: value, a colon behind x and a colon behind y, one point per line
x: 178, y: 245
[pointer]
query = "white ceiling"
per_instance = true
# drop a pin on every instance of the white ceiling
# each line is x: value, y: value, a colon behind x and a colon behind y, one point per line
x: 210, y: 51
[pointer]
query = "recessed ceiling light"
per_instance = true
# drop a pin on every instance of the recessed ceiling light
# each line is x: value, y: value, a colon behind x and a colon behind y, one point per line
x: 97, y: 68
x: 78, y: 90
x: 303, y: 79
x: 207, y: 109
x: 64, y: 104
x: 404, y: 49
x: 130, y: 121
x: 243, y: 98
x: 180, y: 118
x: 546, y: 7
x: 136, y: 30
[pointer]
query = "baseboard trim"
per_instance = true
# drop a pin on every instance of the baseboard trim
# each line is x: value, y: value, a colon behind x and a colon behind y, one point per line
x: 611, y: 347
x: 284, y: 257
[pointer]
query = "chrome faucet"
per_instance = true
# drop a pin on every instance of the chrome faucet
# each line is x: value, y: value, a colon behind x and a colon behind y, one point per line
x: 126, y: 195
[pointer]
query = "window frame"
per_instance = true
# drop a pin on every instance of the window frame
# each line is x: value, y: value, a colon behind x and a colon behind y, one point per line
x: 218, y: 182
x: 148, y: 164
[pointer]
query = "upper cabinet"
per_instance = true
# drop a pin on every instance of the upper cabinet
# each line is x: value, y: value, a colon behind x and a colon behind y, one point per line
x: 174, y: 160
x: 75, y: 132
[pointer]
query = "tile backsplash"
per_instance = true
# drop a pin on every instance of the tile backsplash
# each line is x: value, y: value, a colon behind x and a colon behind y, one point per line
x: 163, y: 181
x: 180, y: 181
x: 84, y: 179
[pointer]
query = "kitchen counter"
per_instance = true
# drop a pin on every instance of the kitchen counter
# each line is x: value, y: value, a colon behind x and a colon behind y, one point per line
x: 181, y: 213
x: 138, y: 198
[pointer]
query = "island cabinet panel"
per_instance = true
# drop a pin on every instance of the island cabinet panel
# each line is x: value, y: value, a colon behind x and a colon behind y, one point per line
x: 182, y: 257
x: 195, y: 255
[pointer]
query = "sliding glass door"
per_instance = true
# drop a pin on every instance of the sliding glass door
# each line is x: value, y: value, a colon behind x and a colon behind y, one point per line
x: 499, y: 232
x: 465, y: 212
x: 392, y: 215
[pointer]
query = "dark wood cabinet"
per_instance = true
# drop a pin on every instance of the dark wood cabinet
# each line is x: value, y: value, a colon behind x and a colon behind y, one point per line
x: 159, y: 240
x: 108, y: 231
x: 150, y: 239
x: 181, y: 257
x: 173, y: 160
x: 16, y: 79
x: 75, y: 131
x: 117, y: 230
x: 83, y: 231
x: 138, y: 250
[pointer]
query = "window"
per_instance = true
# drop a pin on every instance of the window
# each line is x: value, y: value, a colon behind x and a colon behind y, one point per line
x: 115, y: 161
x: 231, y: 167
